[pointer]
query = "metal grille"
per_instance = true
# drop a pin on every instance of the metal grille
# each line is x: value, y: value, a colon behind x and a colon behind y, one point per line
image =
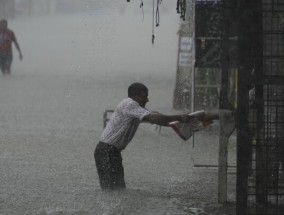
x: 263, y: 179
x: 266, y: 178
x: 273, y: 37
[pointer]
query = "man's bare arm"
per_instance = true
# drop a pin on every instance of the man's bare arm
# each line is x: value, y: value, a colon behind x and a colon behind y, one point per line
x: 18, y: 48
x: 160, y: 119
x: 164, y: 120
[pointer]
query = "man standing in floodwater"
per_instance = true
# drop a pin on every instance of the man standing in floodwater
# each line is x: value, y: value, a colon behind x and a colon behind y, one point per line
x: 121, y: 128
x: 7, y: 37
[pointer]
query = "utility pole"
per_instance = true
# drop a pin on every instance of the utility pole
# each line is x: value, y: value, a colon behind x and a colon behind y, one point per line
x: 183, y: 95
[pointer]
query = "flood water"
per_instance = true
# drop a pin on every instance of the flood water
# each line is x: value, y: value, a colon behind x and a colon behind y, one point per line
x: 51, y: 117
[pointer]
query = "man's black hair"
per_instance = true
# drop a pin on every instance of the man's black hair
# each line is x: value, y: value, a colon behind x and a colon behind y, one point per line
x: 136, y: 89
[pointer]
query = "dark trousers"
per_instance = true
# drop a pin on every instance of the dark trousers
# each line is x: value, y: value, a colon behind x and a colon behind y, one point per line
x: 109, y: 166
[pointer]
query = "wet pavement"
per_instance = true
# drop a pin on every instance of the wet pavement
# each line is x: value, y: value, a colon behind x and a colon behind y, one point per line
x: 51, y: 110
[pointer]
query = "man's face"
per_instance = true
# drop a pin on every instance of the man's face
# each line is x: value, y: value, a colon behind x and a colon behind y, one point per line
x: 142, y: 99
x: 3, y: 25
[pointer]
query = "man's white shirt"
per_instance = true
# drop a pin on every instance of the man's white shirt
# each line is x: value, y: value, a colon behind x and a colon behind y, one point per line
x: 123, y: 123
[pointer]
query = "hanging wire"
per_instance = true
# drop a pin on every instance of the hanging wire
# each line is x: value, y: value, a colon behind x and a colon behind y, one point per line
x: 157, y: 17
x: 153, y: 20
x: 177, y: 8
x: 181, y: 8
x: 158, y: 13
x: 141, y: 6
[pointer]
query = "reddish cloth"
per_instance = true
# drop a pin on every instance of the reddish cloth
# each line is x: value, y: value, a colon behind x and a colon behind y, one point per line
x: 6, y: 39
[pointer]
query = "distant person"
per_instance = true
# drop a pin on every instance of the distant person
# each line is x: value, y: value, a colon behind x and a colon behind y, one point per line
x: 7, y: 37
x: 121, y: 128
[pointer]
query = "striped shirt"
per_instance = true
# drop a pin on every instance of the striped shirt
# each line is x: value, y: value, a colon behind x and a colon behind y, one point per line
x: 123, y: 123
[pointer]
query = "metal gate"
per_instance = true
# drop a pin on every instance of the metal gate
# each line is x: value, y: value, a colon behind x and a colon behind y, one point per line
x: 260, y: 177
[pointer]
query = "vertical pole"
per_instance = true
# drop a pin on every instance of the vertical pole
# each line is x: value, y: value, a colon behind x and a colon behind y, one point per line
x: 185, y: 62
x: 244, y: 69
x: 192, y: 5
x: 222, y: 170
x: 223, y: 140
x: 193, y: 63
x: 177, y: 92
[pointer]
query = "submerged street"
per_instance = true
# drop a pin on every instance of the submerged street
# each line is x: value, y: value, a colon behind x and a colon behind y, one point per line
x: 51, y: 117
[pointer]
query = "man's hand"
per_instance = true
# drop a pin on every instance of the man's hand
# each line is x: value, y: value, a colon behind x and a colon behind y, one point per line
x: 194, y: 119
x: 206, y: 122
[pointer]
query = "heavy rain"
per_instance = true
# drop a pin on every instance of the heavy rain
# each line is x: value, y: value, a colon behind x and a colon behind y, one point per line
x: 78, y: 60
